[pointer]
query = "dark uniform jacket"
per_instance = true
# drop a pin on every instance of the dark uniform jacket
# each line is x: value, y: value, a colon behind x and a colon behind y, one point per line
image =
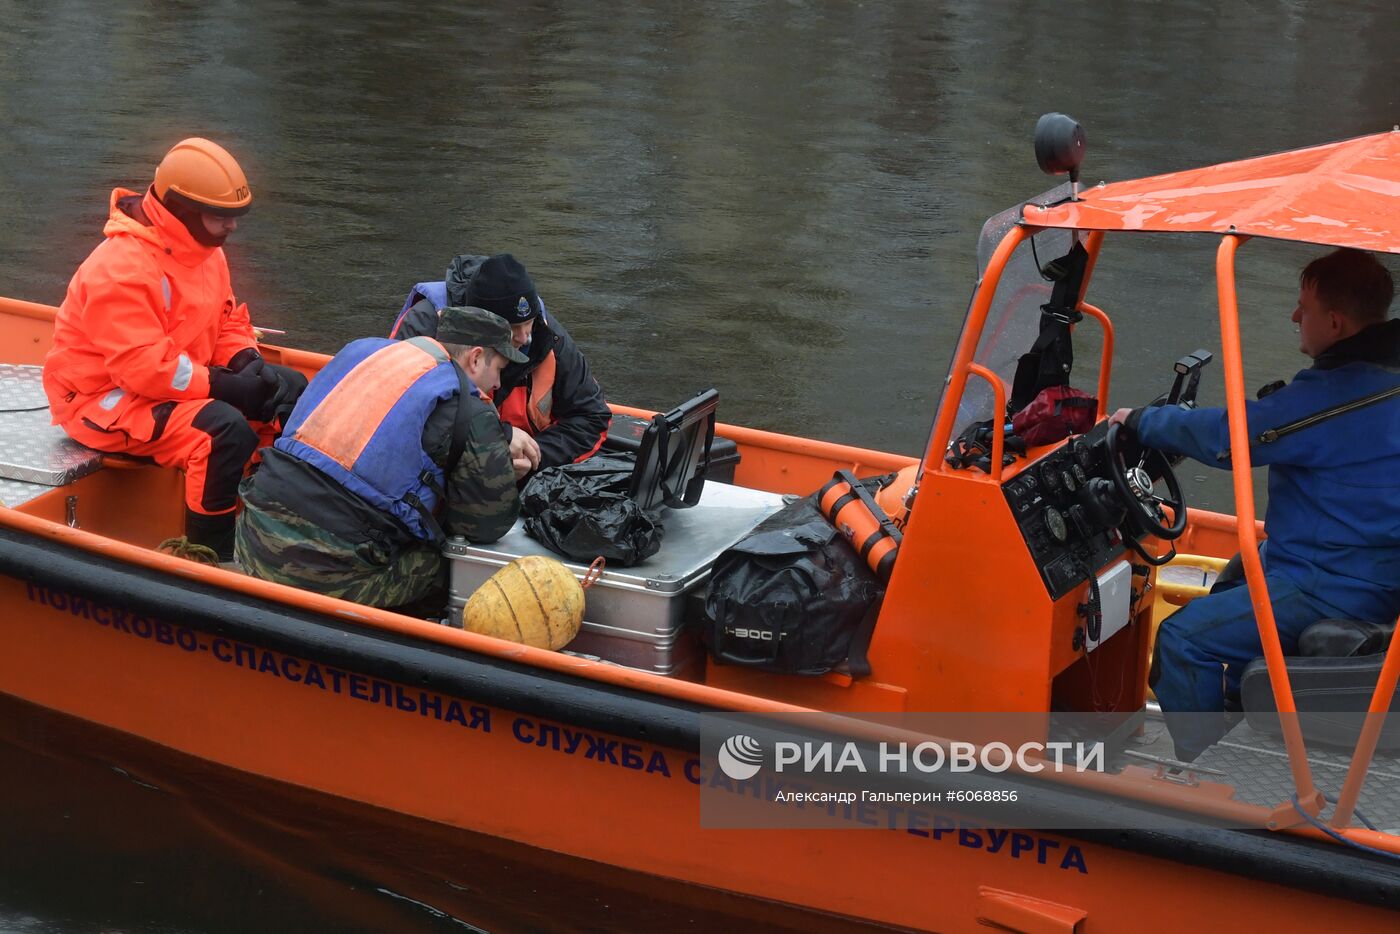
x: 1333, y: 519
x: 579, y: 411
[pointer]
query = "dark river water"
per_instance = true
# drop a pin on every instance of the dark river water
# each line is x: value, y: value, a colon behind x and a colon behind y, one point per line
x: 778, y: 199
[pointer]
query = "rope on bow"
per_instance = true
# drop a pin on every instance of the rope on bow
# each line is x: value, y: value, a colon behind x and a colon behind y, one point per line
x: 595, y: 571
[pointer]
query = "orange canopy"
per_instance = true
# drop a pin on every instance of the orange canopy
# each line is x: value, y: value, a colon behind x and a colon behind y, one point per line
x: 1340, y: 194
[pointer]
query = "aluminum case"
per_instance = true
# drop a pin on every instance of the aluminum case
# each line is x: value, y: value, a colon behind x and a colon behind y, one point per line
x: 635, y: 616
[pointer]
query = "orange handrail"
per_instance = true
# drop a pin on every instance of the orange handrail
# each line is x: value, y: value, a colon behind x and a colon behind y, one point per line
x: 967, y: 346
x: 1308, y: 796
x: 998, y: 406
x: 1105, y: 359
x: 24, y: 309
x: 1370, y: 733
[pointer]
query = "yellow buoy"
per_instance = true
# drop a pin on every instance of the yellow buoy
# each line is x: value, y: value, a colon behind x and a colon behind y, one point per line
x: 534, y: 600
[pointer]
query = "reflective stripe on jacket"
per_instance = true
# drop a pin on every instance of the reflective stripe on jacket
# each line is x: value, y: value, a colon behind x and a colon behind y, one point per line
x: 145, y: 316
x: 361, y: 420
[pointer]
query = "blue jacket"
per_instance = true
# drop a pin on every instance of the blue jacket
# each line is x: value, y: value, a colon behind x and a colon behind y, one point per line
x: 368, y: 437
x: 1333, y: 519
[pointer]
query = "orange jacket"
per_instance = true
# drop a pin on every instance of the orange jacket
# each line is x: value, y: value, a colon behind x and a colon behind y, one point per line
x: 146, y: 315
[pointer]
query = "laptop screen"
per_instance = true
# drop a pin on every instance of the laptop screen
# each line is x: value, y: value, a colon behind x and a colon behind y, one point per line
x: 674, y: 454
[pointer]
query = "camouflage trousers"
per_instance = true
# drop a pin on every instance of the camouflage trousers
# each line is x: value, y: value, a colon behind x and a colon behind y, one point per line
x: 281, y: 546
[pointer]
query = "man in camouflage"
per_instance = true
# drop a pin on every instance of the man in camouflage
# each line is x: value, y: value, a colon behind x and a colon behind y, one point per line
x: 320, y: 515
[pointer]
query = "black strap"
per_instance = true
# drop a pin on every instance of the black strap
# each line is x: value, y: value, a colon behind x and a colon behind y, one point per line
x: 856, y: 660
x: 429, y: 521
x: 974, y: 448
x: 1051, y: 357
x: 461, y: 423
x: 1078, y: 402
x: 676, y: 499
x: 1273, y: 434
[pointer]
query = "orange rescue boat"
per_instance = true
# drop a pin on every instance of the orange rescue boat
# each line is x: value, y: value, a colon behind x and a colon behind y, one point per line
x: 601, y: 758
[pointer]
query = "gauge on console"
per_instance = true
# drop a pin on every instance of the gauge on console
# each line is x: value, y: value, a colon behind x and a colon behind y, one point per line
x: 1055, y: 524
x: 1083, y: 453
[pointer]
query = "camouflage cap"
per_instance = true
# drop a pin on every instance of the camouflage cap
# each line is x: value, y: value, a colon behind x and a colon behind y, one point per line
x: 477, y: 327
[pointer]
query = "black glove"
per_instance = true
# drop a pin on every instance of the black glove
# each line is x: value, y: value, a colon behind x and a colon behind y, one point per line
x: 290, y: 386
x: 245, y: 358
x: 249, y: 391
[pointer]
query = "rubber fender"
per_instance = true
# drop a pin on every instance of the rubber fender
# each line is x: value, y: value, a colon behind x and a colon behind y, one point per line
x: 534, y: 600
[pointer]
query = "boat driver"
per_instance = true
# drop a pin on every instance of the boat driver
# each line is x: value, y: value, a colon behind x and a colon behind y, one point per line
x: 551, y: 395
x: 391, y: 449
x: 1333, y: 517
x: 153, y: 356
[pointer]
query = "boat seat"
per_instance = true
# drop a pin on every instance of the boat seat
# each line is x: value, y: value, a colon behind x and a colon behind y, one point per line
x: 35, y: 456
x: 1333, y: 678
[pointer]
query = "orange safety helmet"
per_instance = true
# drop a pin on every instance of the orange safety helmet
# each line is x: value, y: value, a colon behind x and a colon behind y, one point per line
x: 204, y: 174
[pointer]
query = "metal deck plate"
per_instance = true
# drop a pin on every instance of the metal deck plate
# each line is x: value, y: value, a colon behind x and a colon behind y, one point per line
x: 1257, y: 765
x: 15, y: 493
x: 32, y: 451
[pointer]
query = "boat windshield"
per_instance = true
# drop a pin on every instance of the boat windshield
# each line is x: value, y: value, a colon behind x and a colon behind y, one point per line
x: 1013, y: 321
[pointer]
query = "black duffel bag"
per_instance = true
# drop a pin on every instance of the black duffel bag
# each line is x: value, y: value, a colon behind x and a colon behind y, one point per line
x: 582, y: 511
x: 792, y: 597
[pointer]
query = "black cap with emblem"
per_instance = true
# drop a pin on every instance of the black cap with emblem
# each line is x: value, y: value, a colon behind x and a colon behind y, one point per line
x: 502, y: 286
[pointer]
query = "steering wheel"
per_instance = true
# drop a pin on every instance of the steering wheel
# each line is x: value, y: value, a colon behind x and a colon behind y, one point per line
x: 1134, y: 486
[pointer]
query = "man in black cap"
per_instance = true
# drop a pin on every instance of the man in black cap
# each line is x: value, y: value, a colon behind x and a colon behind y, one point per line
x: 391, y: 449
x: 552, y: 396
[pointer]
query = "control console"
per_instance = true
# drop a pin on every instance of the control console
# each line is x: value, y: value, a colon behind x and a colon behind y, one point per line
x: 1068, y: 512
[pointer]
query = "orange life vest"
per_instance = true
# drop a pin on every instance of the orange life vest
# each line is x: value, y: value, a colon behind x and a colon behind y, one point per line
x: 530, y: 406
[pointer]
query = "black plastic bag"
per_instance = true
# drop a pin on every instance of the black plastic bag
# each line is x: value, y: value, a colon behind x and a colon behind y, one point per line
x: 582, y: 511
x: 791, y: 597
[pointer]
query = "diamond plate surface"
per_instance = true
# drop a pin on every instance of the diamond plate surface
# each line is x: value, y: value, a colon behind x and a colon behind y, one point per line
x: 15, y: 493
x: 31, y: 450
x: 1257, y: 765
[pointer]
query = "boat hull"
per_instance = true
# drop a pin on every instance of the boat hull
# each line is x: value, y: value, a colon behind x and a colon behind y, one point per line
x: 598, y: 771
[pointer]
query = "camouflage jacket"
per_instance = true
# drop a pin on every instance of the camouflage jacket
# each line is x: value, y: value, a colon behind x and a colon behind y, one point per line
x: 300, y: 527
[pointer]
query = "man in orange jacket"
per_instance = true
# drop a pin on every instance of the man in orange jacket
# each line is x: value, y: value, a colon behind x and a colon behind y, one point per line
x: 153, y: 357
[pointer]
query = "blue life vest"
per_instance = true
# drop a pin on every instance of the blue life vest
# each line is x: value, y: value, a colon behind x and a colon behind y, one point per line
x: 435, y: 292
x: 360, y: 422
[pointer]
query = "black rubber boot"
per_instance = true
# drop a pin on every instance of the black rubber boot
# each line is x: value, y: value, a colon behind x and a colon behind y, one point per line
x: 214, y: 532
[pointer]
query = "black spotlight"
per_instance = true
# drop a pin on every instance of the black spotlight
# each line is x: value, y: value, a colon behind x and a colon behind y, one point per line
x: 1059, y: 147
